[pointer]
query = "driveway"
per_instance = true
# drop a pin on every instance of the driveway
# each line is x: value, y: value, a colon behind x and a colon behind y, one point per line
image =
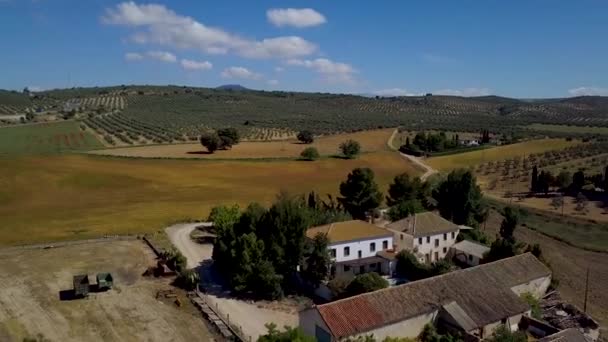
x: 248, y: 315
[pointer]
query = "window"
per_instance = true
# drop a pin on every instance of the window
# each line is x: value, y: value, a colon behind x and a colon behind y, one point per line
x: 445, y: 236
x: 445, y: 250
x: 470, y: 258
x: 436, y: 256
x: 361, y: 269
x: 332, y: 252
x: 346, y: 251
x: 385, y: 244
x: 359, y: 254
x: 420, y: 241
x: 453, y: 235
x: 346, y: 268
x: 436, y: 242
x: 372, y: 247
x: 427, y: 258
x: 401, y: 237
x: 428, y: 239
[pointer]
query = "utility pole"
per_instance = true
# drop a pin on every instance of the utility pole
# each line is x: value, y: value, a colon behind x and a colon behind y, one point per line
x: 586, y: 291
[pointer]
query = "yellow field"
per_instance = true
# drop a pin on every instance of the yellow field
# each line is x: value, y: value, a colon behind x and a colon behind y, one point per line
x: 79, y: 196
x: 370, y: 141
x: 468, y: 159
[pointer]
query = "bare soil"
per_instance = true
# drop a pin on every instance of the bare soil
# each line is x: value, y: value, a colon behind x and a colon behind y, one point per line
x: 35, y: 283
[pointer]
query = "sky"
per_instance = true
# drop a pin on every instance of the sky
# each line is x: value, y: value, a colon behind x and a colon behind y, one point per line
x: 515, y: 48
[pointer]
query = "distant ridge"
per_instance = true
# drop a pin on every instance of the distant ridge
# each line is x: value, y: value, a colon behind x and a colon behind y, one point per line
x: 233, y: 87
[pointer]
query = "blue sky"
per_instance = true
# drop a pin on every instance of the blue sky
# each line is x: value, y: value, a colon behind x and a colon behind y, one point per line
x: 512, y: 48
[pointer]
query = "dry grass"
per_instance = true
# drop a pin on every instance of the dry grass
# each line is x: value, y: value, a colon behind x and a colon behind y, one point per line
x: 468, y: 159
x: 370, y: 141
x: 32, y: 279
x: 79, y: 196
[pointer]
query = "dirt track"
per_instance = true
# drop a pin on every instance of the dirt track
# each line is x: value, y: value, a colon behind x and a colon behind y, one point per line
x: 428, y: 171
x: 248, y: 315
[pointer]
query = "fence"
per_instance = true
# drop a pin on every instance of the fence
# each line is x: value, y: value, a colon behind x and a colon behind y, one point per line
x: 232, y: 326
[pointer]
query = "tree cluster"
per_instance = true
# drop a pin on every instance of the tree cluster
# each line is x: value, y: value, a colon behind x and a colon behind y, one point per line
x: 573, y: 184
x: 306, y: 137
x: 310, y: 153
x: 410, y: 268
x: 459, y: 199
x: 407, y: 196
x: 506, y: 245
x: 257, y: 251
x: 485, y: 136
x: 222, y: 139
x: 429, y: 142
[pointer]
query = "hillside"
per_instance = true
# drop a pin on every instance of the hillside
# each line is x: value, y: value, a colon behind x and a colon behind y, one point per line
x: 144, y: 114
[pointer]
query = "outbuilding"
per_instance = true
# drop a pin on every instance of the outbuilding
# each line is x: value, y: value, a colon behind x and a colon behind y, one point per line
x: 104, y: 281
x: 81, y: 285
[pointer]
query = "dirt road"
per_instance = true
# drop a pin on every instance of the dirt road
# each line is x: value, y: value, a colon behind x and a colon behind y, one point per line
x: 428, y: 171
x: 248, y: 315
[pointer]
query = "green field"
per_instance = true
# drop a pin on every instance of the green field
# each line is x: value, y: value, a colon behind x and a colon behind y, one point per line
x: 468, y: 159
x: 569, y: 129
x: 57, y: 137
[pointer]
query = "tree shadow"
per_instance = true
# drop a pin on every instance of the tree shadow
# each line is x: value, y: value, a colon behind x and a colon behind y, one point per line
x: 338, y: 156
x: 199, y: 152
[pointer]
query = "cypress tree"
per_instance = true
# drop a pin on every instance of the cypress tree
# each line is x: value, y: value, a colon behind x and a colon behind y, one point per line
x: 534, y: 183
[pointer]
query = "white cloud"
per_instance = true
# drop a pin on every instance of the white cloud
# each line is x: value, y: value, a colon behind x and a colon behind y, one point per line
x: 395, y: 92
x: 595, y: 91
x: 162, y: 26
x: 162, y: 56
x: 279, y: 69
x: 195, y: 65
x: 133, y: 56
x: 464, y: 92
x: 331, y: 71
x: 296, y: 17
x: 240, y: 72
x: 273, y: 82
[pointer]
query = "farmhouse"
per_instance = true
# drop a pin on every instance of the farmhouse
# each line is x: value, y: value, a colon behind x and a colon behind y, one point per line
x: 427, y: 234
x: 468, y: 252
x: 474, y: 301
x: 354, y: 247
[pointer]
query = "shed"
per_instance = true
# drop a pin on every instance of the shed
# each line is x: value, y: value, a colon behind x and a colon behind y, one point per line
x: 104, y: 281
x: 81, y: 285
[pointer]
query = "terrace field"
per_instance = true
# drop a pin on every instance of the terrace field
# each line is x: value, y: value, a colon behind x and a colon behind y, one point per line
x: 469, y: 159
x: 371, y: 141
x: 56, y: 197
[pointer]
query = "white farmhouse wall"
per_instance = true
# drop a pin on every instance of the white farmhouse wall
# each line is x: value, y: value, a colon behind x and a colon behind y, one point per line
x: 537, y: 287
x: 411, y: 327
x: 360, y: 245
x: 512, y: 323
x: 428, y: 245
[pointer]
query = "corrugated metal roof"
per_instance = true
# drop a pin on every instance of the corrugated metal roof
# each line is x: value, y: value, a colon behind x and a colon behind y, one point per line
x: 483, y: 292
